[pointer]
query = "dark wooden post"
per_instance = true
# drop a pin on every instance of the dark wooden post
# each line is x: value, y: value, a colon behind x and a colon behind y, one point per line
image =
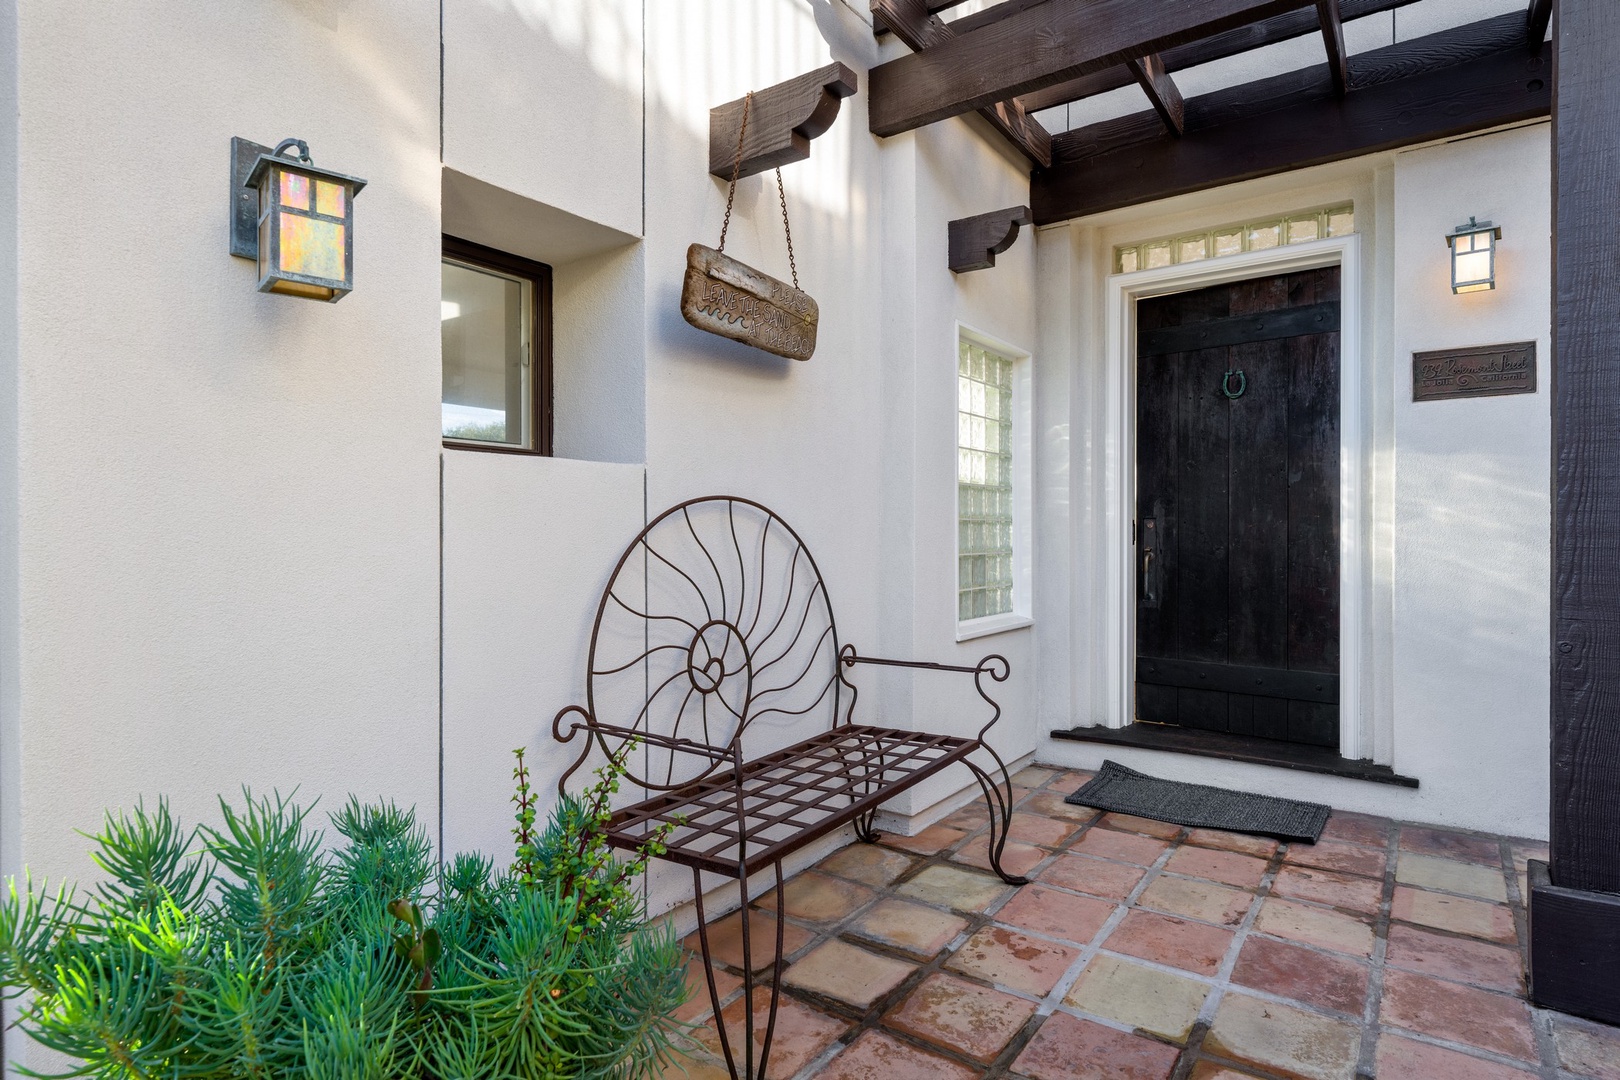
x: 1575, y: 903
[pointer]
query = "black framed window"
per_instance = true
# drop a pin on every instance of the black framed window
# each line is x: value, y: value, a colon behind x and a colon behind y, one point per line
x: 495, y: 327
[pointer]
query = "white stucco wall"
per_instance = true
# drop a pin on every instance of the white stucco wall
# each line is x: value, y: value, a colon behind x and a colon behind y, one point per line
x: 10, y: 733
x: 1472, y: 494
x: 224, y: 503
x: 1455, y: 496
x: 528, y: 545
x: 544, y: 98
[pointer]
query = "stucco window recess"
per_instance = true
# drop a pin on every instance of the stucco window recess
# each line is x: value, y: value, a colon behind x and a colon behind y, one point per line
x: 1296, y: 228
x: 495, y: 329
x: 992, y: 503
x: 597, y: 320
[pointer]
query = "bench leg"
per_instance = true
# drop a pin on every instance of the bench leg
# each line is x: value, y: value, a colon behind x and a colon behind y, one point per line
x: 998, y: 797
x: 748, y: 1072
x: 864, y: 832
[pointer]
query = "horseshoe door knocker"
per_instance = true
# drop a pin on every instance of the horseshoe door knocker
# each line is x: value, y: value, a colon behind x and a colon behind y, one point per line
x: 1226, y: 384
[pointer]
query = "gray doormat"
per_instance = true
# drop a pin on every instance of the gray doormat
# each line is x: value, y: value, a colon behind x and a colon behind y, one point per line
x: 1198, y: 806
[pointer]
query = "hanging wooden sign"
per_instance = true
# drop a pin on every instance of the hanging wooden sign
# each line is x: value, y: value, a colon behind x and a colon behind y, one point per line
x: 732, y: 299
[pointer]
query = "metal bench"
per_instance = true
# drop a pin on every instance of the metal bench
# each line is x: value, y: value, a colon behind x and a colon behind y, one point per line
x: 716, y: 623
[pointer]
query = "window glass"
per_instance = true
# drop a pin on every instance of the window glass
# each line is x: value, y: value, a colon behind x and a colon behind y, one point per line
x: 484, y: 320
x: 984, y: 479
x: 1233, y: 239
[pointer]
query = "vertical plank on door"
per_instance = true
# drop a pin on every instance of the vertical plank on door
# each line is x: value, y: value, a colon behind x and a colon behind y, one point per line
x: 1259, y: 502
x: 1160, y: 441
x: 1203, y: 531
x: 1313, y: 517
x: 1157, y: 397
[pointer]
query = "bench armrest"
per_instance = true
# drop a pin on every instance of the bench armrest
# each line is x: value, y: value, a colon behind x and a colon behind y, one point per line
x: 993, y: 665
x: 595, y: 728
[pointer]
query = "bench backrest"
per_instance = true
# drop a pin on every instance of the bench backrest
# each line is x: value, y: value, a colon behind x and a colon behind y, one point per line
x: 715, y: 620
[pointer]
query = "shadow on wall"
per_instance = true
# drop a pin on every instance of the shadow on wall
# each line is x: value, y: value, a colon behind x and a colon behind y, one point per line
x: 1469, y: 578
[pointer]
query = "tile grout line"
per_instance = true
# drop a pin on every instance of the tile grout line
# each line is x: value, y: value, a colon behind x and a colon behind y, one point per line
x: 1122, y: 909
x: 1050, y: 1003
x: 871, y: 1018
x: 1370, y: 1034
x: 1478, y: 1053
x: 1540, y: 1019
x: 1223, y: 974
x: 821, y: 934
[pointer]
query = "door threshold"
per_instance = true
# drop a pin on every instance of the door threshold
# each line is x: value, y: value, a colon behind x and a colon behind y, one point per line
x: 1219, y: 744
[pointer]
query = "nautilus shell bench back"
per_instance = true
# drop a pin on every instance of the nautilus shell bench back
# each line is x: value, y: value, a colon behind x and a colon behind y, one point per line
x: 716, y: 625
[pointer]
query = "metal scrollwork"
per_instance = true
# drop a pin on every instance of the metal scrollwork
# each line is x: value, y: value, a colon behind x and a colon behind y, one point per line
x: 715, y: 618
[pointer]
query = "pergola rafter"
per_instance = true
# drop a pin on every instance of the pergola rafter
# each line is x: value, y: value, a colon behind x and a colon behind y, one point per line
x: 1389, y: 97
x: 1161, y: 91
x: 915, y: 25
x: 1465, y: 79
x: 1539, y: 18
x: 1327, y: 12
x: 1037, y: 47
x: 1279, y: 28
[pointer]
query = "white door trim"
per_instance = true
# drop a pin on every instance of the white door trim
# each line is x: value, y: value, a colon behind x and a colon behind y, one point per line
x: 1120, y: 456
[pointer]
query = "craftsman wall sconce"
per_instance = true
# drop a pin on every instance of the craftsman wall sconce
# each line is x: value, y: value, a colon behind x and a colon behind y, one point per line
x: 1473, y: 256
x: 295, y: 220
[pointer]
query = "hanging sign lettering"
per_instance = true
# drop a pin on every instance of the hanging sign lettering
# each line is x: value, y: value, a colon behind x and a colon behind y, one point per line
x: 732, y: 299
x: 1486, y: 371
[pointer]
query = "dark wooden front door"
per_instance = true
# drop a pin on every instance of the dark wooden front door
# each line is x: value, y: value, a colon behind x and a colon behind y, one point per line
x: 1237, y: 509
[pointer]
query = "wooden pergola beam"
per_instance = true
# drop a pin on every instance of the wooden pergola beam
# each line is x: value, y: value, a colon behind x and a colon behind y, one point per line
x: 782, y: 120
x: 880, y: 24
x: 1285, y: 27
x: 1038, y: 47
x: 920, y: 30
x: 1465, y: 79
x: 1575, y: 904
x: 1327, y: 12
x: 994, y: 13
x: 1161, y: 91
x: 974, y: 242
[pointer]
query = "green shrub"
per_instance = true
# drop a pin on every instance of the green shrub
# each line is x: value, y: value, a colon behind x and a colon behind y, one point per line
x: 252, y: 950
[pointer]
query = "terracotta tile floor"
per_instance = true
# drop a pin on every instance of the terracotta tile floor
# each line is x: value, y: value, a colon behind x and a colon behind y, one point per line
x: 1144, y: 951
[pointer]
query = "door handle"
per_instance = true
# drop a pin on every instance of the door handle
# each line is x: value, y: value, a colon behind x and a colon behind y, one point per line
x: 1150, y: 553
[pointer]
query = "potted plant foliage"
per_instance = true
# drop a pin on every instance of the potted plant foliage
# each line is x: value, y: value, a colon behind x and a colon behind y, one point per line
x: 252, y: 949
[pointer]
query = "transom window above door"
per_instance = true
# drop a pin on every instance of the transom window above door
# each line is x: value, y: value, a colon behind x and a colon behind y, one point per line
x: 1271, y: 232
x: 495, y: 330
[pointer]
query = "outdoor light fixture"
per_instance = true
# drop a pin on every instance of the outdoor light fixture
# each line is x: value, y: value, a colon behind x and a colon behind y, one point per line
x: 1473, y: 256
x: 295, y: 220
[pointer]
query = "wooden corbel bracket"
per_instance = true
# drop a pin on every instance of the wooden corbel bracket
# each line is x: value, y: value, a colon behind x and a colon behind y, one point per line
x: 781, y: 121
x: 977, y: 240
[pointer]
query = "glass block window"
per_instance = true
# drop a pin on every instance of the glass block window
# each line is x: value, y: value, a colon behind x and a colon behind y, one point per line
x: 1232, y: 239
x: 984, y: 482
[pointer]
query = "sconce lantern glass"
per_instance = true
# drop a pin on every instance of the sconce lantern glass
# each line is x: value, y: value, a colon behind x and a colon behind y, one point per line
x: 1473, y: 256
x: 305, y: 224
